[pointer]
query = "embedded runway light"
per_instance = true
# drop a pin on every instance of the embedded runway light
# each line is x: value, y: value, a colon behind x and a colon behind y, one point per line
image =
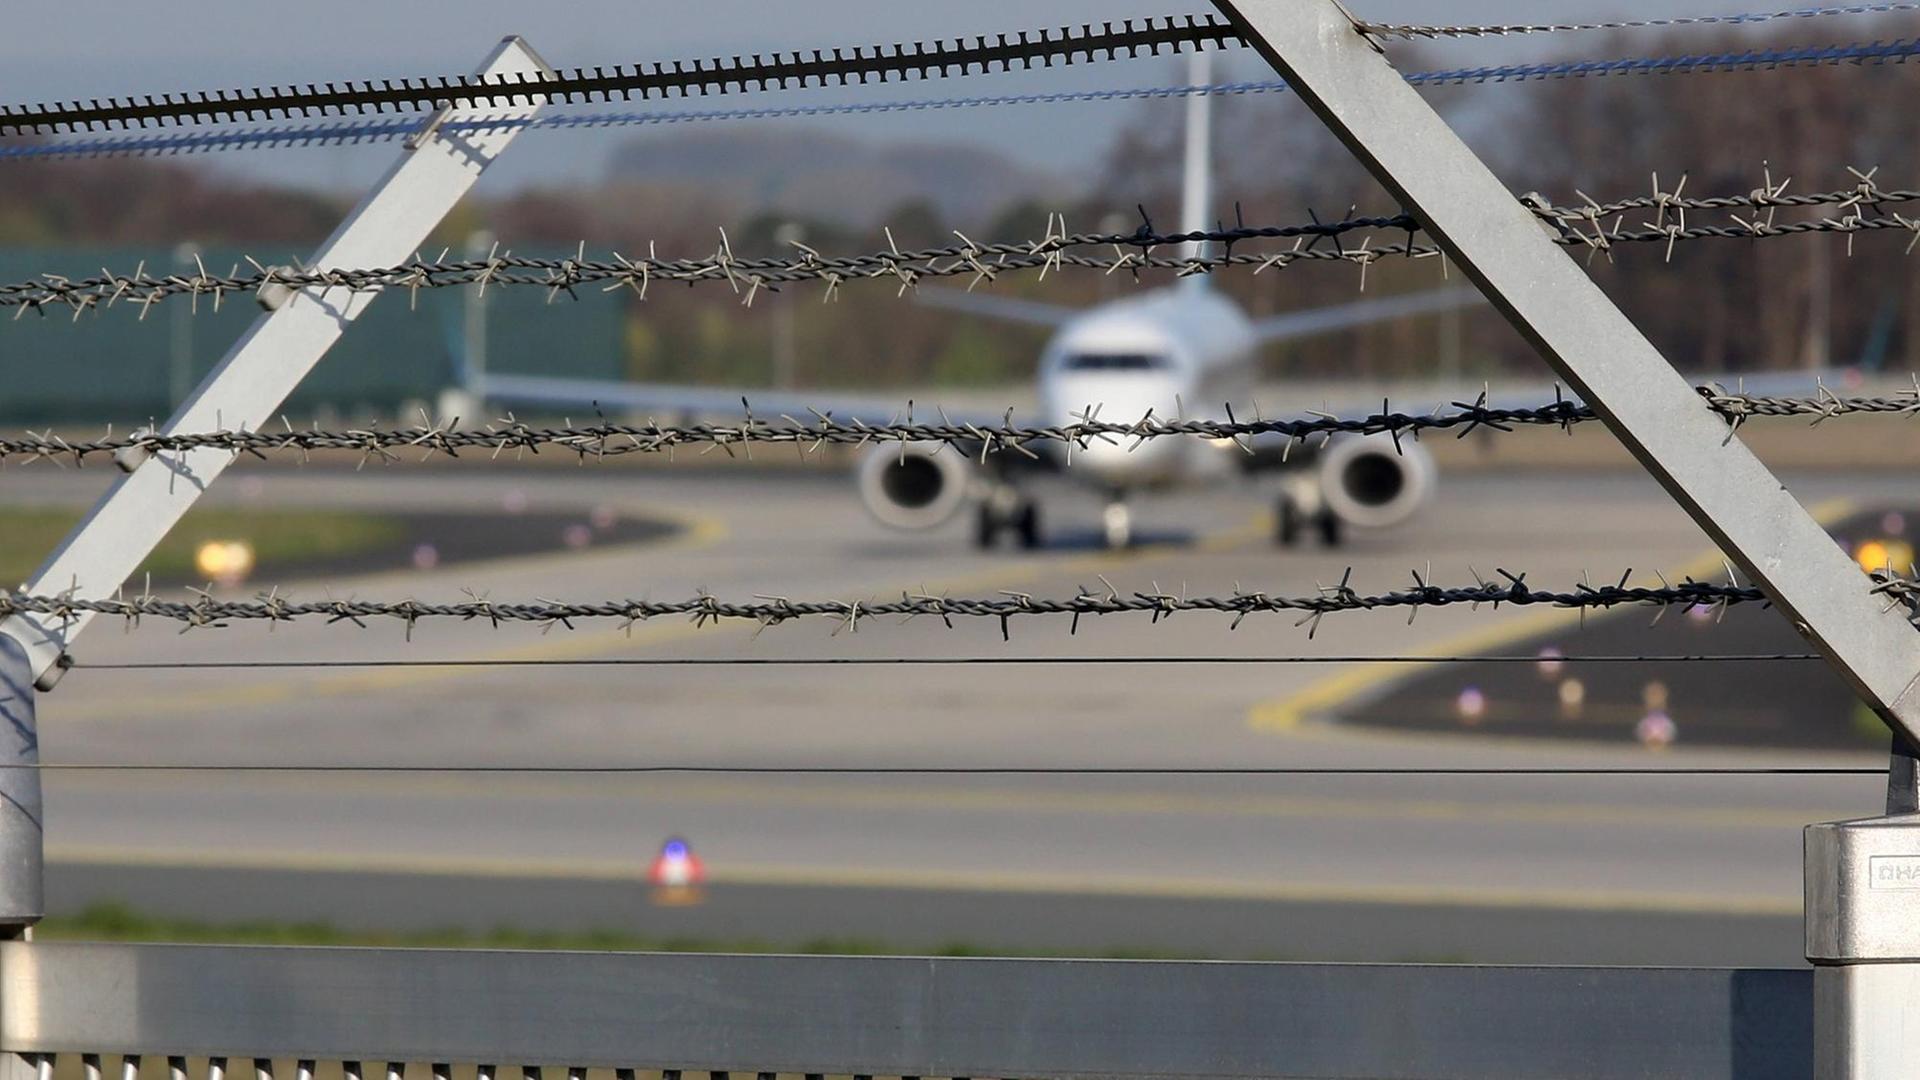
x: 576, y: 536
x: 1700, y: 614
x: 1883, y: 554
x: 676, y: 875
x: 1655, y: 696
x: 1551, y: 662
x: 1573, y: 696
x: 1656, y: 730
x: 425, y: 556
x: 514, y: 501
x: 224, y: 562
x: 1471, y: 705
x: 604, y: 517
x: 1894, y: 523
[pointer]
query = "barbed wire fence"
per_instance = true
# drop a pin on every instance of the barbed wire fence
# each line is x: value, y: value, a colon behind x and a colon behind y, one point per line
x: 1665, y: 217
x: 1007, y: 1017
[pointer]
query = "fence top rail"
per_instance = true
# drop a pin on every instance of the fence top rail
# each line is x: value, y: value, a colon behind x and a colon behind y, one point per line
x: 901, y: 1016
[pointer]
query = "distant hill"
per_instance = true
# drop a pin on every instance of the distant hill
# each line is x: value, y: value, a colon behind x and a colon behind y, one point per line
x: 824, y: 175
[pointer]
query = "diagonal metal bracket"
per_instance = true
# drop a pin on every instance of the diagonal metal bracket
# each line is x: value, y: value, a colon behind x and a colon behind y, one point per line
x: 246, y: 389
x: 1548, y: 297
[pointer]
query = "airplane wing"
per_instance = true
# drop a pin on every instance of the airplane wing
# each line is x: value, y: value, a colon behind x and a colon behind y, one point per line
x: 1299, y: 324
x: 541, y: 391
x: 672, y: 401
x: 995, y: 306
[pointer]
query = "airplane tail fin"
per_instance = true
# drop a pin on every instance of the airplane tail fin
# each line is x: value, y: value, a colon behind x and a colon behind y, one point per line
x: 1197, y: 178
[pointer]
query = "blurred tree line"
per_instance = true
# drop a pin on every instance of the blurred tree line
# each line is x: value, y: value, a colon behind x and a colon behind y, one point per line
x: 1718, y: 305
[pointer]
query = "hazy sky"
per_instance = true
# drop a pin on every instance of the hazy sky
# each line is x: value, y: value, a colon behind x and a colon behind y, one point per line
x: 66, y: 52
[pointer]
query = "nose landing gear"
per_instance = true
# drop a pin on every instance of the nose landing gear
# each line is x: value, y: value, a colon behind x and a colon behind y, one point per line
x: 1117, y: 524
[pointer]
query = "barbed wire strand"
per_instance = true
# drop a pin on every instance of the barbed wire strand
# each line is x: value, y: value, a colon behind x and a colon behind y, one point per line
x: 1597, y: 226
x: 750, y: 276
x: 935, y: 661
x: 779, y: 70
x: 388, y: 129
x: 956, y: 770
x: 973, y: 440
x: 1415, y: 31
x: 205, y: 610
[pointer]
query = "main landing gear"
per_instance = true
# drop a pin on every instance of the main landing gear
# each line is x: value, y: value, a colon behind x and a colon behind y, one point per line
x: 1007, y: 509
x: 1299, y: 509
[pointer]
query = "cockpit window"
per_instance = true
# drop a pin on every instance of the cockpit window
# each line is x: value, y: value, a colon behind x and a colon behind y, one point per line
x: 1113, y: 362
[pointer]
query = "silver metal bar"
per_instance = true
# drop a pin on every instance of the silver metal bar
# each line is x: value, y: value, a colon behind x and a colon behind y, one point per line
x: 1550, y: 299
x: 880, y: 1016
x: 265, y: 365
x: 25, y: 1066
x: 22, y: 837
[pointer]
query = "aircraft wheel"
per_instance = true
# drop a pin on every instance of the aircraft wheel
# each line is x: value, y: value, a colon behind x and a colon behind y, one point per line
x: 1332, y: 529
x: 1027, y: 524
x: 1286, y: 522
x: 986, y: 526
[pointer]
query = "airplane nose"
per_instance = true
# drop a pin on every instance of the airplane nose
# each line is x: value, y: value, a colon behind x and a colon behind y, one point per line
x: 1124, y: 460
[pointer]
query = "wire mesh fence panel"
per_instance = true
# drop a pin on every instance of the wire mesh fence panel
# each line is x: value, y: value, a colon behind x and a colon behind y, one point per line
x: 222, y: 1012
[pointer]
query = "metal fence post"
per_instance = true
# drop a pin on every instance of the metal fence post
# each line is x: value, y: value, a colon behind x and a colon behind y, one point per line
x: 21, y: 848
x: 1863, y: 935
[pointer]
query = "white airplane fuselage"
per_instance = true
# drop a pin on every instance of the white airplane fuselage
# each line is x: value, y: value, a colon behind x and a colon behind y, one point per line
x: 1181, y: 352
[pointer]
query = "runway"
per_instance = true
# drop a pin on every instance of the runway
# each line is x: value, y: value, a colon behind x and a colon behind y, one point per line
x: 1596, y: 870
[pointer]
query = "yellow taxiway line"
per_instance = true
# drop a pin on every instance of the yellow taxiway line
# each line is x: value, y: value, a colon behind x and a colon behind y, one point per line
x: 1323, y: 697
x: 699, y: 532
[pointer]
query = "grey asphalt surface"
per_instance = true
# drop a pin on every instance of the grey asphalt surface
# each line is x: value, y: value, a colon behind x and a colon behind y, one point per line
x: 1804, y: 704
x: 1586, y: 870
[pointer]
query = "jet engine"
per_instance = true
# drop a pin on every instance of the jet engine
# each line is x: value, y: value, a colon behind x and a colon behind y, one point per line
x: 1367, y: 481
x: 915, y: 486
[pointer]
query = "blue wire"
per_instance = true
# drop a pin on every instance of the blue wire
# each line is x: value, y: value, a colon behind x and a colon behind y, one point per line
x: 347, y: 132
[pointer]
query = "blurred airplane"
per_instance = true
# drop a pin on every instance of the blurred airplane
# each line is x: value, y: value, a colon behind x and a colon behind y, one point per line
x: 1184, y: 351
